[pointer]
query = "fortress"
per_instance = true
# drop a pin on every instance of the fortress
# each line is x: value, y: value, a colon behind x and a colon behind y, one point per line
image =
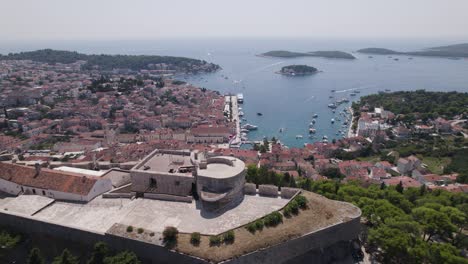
x: 191, y: 190
x: 180, y: 175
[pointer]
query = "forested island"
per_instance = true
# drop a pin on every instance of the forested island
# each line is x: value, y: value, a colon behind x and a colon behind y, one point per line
x: 333, y: 54
x: 458, y: 50
x: 294, y: 70
x: 111, y: 62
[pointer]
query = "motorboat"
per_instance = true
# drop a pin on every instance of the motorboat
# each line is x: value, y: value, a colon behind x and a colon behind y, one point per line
x: 332, y: 105
x: 333, y: 120
x: 315, y: 116
x: 259, y: 114
x: 249, y: 127
x: 299, y: 137
x: 312, y: 130
x: 241, y: 113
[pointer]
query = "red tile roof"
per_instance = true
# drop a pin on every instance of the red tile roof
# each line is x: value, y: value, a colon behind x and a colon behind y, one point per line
x: 47, y: 179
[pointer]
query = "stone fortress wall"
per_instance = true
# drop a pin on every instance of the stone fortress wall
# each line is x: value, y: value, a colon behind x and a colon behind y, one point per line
x: 151, y: 253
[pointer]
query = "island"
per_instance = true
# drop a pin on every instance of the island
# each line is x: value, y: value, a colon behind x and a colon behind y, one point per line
x: 295, y: 70
x: 333, y: 54
x: 112, y: 62
x: 451, y: 51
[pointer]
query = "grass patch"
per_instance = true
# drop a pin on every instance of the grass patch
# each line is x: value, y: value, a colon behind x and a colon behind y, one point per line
x: 436, y: 165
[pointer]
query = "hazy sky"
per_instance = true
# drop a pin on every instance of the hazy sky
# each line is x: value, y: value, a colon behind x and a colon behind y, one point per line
x: 153, y: 19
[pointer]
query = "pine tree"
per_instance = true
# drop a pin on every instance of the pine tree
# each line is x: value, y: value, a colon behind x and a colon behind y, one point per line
x: 35, y: 257
x: 399, y: 187
x: 66, y: 258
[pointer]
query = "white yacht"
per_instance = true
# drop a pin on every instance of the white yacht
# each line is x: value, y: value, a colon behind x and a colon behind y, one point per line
x: 249, y: 127
x: 240, y: 98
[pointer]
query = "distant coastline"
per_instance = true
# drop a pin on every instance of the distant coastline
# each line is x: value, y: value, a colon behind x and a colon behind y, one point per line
x: 334, y: 54
x: 451, y: 51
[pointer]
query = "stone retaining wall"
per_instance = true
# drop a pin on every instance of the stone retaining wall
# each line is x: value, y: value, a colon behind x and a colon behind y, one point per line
x: 168, y: 197
x: 250, y: 189
x: 268, y: 190
x: 288, y: 193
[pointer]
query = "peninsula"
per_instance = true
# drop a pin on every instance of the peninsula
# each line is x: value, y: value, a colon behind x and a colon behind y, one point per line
x: 333, y: 54
x: 112, y: 62
x: 294, y: 70
x: 457, y: 50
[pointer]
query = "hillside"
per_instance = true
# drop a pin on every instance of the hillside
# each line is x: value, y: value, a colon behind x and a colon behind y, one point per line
x: 331, y: 54
x: 378, y: 51
x: 421, y: 103
x: 110, y: 62
x: 457, y: 50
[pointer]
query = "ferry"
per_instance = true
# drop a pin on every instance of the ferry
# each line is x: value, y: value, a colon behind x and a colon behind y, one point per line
x: 240, y: 98
x: 249, y: 127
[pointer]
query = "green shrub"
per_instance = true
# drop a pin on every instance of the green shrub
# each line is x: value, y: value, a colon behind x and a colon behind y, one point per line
x: 152, y: 234
x: 140, y: 230
x: 129, y: 229
x: 215, y: 240
x: 170, y: 236
x: 259, y: 224
x: 287, y: 211
x: 273, y: 219
x: 294, y: 207
x: 195, y: 238
x: 301, y: 201
x: 251, y: 228
x: 229, y: 237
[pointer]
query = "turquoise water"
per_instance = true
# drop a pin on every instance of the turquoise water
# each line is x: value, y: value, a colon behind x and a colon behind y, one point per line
x: 290, y: 102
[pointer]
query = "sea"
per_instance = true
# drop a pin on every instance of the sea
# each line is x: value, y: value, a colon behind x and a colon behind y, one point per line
x: 288, y: 103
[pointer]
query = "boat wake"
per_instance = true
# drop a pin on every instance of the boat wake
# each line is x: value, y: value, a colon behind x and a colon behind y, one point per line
x: 309, y: 99
x: 354, y: 89
x: 265, y: 67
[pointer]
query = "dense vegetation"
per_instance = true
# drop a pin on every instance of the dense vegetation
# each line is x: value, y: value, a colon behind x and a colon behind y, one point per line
x: 108, y: 62
x: 402, y: 226
x: 458, y: 50
x: 333, y: 54
x: 406, y: 226
x: 298, y: 70
x: 101, y: 253
x: 419, y: 104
